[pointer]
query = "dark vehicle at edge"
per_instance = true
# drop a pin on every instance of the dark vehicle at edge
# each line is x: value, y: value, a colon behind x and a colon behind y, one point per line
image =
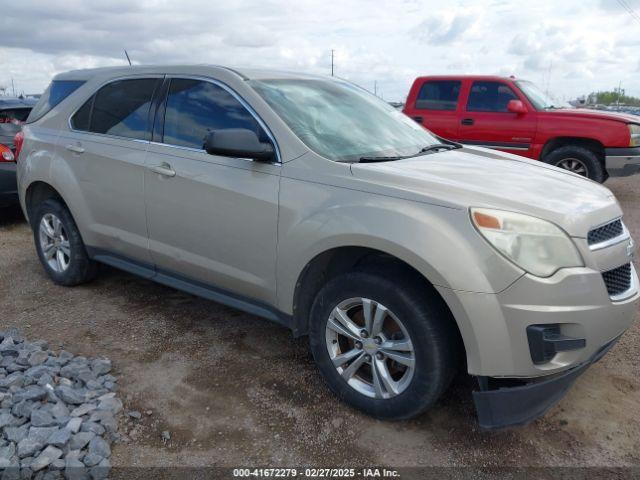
x: 13, y: 113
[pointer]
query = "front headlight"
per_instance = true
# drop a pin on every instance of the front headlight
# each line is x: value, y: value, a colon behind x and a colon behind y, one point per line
x: 537, y: 246
x: 634, y: 132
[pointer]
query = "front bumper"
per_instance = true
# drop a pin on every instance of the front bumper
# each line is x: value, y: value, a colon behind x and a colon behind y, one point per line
x: 501, y: 407
x: 8, y: 184
x: 529, y: 342
x: 494, y: 326
x: 622, y: 162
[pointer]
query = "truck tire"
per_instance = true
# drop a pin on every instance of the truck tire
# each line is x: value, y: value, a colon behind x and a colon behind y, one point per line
x: 60, y: 246
x: 578, y: 160
x: 384, y: 346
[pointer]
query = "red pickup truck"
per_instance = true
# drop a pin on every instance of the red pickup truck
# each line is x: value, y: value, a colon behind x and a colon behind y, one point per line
x: 516, y: 116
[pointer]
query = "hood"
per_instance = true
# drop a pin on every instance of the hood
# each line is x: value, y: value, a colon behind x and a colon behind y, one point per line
x: 595, y: 114
x: 478, y: 177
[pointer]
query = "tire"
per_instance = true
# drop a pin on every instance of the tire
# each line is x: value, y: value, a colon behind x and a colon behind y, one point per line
x: 580, y: 160
x: 426, y: 321
x: 74, y: 267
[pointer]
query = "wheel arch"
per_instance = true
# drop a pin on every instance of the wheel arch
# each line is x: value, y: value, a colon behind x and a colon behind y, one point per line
x: 589, y: 143
x: 338, y: 260
x: 36, y: 193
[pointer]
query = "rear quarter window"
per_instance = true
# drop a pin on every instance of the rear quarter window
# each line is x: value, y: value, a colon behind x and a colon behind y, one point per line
x: 55, y: 93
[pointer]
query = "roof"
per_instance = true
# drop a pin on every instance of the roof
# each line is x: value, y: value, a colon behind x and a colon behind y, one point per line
x: 14, y: 102
x: 245, y: 73
x: 472, y: 77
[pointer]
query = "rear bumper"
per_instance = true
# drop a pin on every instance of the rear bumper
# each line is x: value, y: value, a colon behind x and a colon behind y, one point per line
x: 8, y: 184
x: 622, y: 162
x: 518, y: 405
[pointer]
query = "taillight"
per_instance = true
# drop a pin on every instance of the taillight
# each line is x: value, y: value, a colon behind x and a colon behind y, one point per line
x: 6, y: 155
x: 18, y: 140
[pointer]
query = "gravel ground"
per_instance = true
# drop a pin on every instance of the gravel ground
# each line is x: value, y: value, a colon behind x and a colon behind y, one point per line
x: 57, y: 411
x: 217, y: 386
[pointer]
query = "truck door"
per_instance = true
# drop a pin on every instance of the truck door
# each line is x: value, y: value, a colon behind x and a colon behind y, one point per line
x: 486, y: 121
x: 436, y: 107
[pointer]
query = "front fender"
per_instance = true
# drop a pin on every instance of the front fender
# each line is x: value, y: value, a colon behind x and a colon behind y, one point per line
x: 439, y: 242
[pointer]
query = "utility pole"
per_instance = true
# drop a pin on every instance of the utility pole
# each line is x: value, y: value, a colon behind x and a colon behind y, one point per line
x: 619, y: 93
x: 13, y: 87
x: 127, y: 55
x: 332, y: 50
x: 375, y: 88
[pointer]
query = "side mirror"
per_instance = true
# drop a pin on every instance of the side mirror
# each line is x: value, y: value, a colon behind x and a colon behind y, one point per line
x: 238, y: 142
x: 516, y: 106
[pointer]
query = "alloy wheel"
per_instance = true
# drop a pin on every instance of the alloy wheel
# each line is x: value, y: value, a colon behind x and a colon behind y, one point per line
x: 574, y: 165
x: 54, y: 243
x: 370, y: 348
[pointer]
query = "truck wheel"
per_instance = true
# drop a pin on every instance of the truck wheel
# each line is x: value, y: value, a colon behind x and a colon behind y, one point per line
x: 578, y: 160
x: 385, y: 347
x: 60, y: 246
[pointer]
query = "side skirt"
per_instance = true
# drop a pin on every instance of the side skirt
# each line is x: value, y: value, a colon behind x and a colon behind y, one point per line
x: 191, y: 286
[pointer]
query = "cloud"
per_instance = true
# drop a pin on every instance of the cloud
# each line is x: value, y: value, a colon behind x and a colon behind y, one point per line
x: 257, y: 37
x: 590, y: 44
x: 443, y: 29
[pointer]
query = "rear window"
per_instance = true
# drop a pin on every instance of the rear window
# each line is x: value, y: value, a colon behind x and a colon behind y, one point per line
x: 55, y: 93
x: 439, y: 95
x: 14, y: 115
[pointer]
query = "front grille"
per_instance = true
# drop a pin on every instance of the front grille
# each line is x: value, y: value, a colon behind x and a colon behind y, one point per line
x: 605, y: 232
x: 618, y: 280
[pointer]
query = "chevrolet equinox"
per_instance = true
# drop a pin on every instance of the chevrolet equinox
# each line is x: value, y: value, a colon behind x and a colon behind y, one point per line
x: 308, y: 201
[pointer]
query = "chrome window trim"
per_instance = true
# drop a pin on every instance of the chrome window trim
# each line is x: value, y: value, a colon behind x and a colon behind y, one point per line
x: 203, y: 152
x: 631, y: 291
x: 624, y: 236
x: 139, y: 76
x: 242, y: 102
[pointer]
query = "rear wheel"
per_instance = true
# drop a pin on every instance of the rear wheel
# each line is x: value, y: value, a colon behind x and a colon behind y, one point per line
x: 579, y: 160
x: 385, y: 347
x: 59, y: 245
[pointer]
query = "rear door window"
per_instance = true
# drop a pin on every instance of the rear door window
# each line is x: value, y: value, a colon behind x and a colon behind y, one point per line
x: 55, y: 93
x: 489, y: 97
x: 14, y: 115
x: 195, y: 107
x: 438, y: 95
x: 120, y: 108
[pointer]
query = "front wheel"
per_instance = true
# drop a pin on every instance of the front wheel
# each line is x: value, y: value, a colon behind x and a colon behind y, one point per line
x: 579, y: 160
x: 385, y: 347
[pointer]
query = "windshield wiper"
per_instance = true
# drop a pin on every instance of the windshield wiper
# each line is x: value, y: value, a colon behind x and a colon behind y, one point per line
x: 380, y: 159
x: 429, y: 148
x: 438, y: 146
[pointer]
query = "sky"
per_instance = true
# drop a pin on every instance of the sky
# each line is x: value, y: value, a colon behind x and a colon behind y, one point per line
x: 570, y: 47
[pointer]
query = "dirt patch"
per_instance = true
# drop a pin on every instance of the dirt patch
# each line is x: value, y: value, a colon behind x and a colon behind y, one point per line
x: 233, y: 389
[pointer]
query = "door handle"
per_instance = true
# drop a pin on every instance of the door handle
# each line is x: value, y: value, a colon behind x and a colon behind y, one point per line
x: 164, y: 169
x: 418, y: 119
x: 467, y: 121
x: 75, y: 148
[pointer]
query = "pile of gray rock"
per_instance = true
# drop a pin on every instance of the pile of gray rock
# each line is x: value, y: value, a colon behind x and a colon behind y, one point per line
x: 58, y: 412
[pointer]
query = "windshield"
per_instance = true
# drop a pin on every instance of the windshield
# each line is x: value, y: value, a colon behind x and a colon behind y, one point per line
x: 538, y: 98
x: 341, y: 121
